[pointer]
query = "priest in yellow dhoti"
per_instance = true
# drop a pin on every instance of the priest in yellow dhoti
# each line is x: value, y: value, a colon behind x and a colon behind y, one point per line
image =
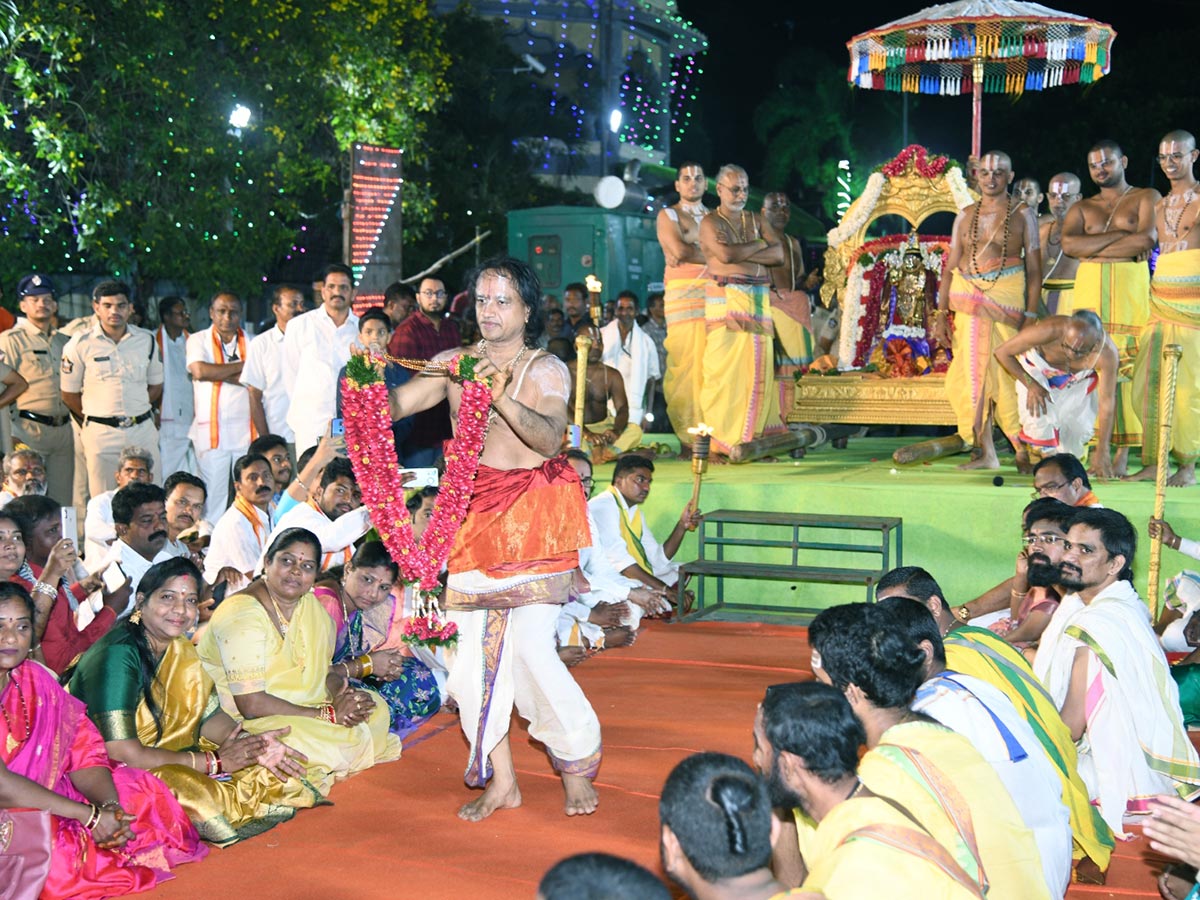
x: 1174, y: 316
x: 791, y: 307
x: 1058, y: 283
x: 1111, y: 234
x: 738, y: 399
x: 687, y: 288
x: 995, y: 268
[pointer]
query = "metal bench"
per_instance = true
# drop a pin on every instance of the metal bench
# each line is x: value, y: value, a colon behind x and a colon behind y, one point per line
x: 721, y: 530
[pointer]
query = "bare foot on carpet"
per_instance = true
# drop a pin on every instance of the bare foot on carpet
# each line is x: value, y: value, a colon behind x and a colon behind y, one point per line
x: 1173, y: 886
x: 618, y: 636
x: 572, y: 656
x: 582, y: 798
x: 1024, y: 463
x: 1145, y: 473
x: 495, y: 796
x: 1185, y: 476
x: 985, y: 460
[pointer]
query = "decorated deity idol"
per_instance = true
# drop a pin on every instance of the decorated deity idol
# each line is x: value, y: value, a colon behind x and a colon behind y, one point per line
x: 909, y: 295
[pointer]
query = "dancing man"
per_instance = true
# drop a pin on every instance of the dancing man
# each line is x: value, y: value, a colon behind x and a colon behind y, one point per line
x: 516, y: 554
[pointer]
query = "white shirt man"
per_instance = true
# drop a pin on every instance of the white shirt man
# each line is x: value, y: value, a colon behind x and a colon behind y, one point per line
x: 263, y: 373
x: 221, y: 431
x: 240, y: 536
x: 315, y: 347
x: 622, y: 501
x: 633, y: 353
x: 1101, y: 662
x: 331, y: 515
x: 98, y: 529
x: 178, y: 407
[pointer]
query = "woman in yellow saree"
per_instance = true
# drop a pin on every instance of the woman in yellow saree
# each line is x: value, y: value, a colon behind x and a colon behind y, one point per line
x: 268, y: 650
x: 157, y: 709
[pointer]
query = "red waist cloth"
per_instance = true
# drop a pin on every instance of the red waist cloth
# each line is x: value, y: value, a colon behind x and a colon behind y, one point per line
x: 523, y: 522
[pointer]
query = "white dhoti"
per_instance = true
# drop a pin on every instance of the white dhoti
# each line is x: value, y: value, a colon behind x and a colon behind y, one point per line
x: 574, y: 630
x: 507, y: 657
x: 1070, y: 417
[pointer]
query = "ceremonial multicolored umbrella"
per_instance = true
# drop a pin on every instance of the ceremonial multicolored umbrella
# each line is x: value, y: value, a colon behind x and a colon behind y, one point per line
x: 973, y: 46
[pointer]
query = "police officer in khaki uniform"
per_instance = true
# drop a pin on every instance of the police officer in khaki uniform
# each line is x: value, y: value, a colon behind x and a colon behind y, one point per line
x: 111, y: 380
x: 41, y: 420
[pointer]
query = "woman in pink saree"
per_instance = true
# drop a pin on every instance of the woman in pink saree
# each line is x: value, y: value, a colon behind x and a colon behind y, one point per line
x: 113, y: 830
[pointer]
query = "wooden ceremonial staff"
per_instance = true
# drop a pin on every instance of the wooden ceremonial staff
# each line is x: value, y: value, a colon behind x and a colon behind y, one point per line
x: 1166, y: 411
x: 700, y: 447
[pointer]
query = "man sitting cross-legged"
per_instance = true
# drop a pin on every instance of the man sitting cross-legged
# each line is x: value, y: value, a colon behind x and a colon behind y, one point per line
x: 606, y: 410
x: 985, y: 717
x: 631, y: 546
x: 1101, y: 662
x: 983, y: 655
x: 806, y: 744
x: 607, y: 616
x: 925, y: 767
x: 716, y: 829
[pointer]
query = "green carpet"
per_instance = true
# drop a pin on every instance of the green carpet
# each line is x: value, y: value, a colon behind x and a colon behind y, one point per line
x: 958, y: 525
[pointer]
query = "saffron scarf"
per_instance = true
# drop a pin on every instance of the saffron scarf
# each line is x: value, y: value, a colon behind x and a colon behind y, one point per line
x: 214, y: 421
x: 250, y: 511
x: 347, y: 551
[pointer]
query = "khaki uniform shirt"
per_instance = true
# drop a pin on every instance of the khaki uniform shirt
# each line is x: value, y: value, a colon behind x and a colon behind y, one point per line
x: 114, y: 378
x: 38, y: 359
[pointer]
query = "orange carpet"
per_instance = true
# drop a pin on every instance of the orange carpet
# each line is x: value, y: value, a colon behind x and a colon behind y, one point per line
x: 392, y: 832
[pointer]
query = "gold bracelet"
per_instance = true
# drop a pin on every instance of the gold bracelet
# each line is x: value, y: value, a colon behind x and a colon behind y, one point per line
x: 366, y: 667
x: 1018, y: 595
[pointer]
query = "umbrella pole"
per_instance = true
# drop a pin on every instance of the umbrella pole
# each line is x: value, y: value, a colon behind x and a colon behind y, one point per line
x: 976, y: 105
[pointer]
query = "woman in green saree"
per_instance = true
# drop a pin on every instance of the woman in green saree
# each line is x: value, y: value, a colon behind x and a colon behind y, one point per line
x: 157, y: 709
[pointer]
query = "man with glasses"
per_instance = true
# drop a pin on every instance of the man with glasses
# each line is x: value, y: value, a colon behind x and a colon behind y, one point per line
x: 738, y: 398
x: 982, y: 654
x: 1066, y: 370
x: 1111, y: 234
x: 423, y: 335
x: 1102, y: 663
x: 24, y: 474
x: 1058, y: 269
x: 1174, y: 316
x: 1064, y: 478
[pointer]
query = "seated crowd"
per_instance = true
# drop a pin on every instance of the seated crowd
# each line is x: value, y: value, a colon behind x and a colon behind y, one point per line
x: 997, y: 748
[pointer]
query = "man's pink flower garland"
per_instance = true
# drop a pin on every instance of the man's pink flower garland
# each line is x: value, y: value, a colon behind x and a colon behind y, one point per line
x: 372, y: 453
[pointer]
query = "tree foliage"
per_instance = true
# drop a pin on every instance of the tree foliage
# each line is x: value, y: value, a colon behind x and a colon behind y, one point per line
x: 118, y: 153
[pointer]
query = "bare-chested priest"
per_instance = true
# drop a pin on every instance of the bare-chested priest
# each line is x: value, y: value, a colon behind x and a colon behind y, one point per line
x: 791, y: 307
x: 1066, y: 373
x: 1174, y: 315
x: 515, y: 558
x: 994, y: 287
x: 1111, y: 234
x: 607, y: 428
x: 1058, y: 269
x: 738, y: 399
x: 686, y: 288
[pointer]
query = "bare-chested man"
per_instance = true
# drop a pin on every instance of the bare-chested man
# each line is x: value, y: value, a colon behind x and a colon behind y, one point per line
x: 1111, y: 234
x: 1058, y: 269
x: 993, y: 293
x: 791, y: 308
x: 738, y: 399
x: 516, y: 554
x: 1066, y: 372
x: 1174, y: 315
x: 609, y: 434
x: 1029, y: 192
x: 687, y: 286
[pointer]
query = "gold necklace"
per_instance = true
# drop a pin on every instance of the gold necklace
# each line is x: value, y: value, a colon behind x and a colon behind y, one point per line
x: 283, y: 623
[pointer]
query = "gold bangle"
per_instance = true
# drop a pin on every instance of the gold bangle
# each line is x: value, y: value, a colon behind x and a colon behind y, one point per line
x: 1018, y: 595
x: 365, y: 666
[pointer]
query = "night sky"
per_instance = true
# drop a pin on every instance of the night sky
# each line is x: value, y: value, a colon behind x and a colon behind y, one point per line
x: 740, y: 67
